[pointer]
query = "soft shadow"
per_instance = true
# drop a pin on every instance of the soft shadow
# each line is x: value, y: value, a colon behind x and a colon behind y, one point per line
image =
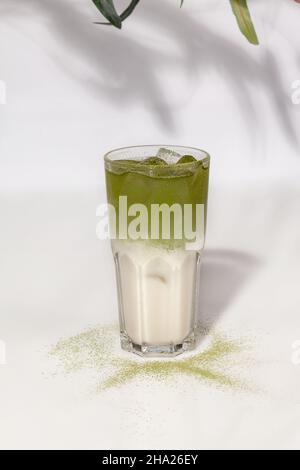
x: 125, y: 67
x: 223, y: 274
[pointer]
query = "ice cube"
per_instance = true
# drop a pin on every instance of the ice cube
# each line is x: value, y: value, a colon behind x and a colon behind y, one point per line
x: 168, y: 156
x: 187, y: 159
x: 153, y: 161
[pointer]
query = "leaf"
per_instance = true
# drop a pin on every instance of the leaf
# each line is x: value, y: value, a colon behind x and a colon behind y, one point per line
x: 107, y: 8
x: 242, y: 14
x: 129, y: 9
x: 125, y: 13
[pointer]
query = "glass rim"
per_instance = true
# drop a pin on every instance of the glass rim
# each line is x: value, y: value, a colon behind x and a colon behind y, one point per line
x: 108, y: 156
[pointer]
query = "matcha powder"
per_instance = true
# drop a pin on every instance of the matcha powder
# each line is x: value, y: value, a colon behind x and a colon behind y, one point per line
x: 97, y: 349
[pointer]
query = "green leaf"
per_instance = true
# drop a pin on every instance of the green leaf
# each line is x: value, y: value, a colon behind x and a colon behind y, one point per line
x: 107, y: 8
x: 129, y: 9
x: 242, y: 14
x: 125, y: 13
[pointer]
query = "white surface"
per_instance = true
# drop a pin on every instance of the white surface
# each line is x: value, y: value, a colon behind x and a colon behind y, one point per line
x: 75, y: 90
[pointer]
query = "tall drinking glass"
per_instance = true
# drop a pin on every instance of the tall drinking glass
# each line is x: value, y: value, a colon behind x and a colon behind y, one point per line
x: 157, y: 198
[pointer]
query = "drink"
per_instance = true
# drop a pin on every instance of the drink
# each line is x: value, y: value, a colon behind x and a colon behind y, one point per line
x: 156, y: 194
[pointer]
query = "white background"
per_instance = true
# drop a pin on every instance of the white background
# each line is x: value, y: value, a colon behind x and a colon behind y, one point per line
x: 180, y: 76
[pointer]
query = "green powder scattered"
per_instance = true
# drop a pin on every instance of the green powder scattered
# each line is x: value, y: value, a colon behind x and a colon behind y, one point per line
x: 90, y: 349
x: 97, y: 349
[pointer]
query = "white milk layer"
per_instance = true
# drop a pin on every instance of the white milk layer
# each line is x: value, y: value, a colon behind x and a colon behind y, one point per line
x: 157, y: 292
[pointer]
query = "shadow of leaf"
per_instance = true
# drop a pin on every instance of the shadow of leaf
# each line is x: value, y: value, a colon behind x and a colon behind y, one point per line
x: 129, y: 68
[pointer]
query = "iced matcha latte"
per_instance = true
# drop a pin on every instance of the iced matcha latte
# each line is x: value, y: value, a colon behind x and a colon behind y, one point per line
x: 157, y: 198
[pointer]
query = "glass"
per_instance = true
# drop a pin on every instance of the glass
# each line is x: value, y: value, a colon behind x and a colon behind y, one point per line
x: 157, y: 198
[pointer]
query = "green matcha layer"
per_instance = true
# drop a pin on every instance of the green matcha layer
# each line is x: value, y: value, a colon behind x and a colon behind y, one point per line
x: 154, y: 181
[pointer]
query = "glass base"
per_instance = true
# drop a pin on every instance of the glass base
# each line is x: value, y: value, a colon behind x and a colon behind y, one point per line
x: 164, y: 350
